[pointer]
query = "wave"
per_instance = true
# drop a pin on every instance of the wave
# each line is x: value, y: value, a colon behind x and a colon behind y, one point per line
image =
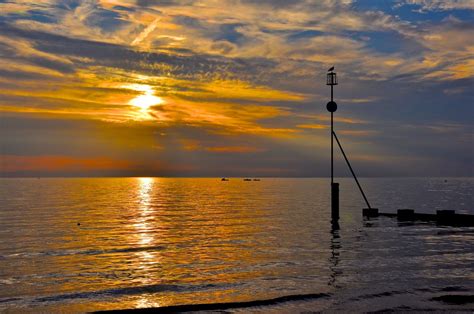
x: 224, y: 306
x: 126, y: 291
x: 459, y: 299
x: 86, y: 252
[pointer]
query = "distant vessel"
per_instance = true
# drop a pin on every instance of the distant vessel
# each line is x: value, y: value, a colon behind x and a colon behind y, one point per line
x: 224, y: 179
x: 247, y: 179
x: 256, y: 179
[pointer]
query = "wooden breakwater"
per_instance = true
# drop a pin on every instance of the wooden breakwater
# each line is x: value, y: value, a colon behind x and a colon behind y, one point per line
x: 442, y: 217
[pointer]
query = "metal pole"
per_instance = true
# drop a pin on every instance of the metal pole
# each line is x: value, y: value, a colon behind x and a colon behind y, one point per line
x: 332, y: 94
x: 332, y: 107
x: 332, y: 149
x: 352, y: 171
x: 334, y: 186
x: 332, y: 141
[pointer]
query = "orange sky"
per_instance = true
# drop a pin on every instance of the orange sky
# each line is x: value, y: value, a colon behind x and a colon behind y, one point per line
x: 193, y: 88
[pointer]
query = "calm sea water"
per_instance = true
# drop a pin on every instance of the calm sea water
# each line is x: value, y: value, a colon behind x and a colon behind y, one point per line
x: 150, y: 242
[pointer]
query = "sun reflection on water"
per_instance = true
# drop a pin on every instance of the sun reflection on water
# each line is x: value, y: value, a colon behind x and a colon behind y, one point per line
x: 145, y: 226
x: 151, y: 242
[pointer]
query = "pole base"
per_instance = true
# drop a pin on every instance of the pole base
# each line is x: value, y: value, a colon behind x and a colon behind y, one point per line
x: 334, y: 202
x: 370, y: 212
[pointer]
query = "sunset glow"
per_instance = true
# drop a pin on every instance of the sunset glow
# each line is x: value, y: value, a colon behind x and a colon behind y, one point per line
x: 291, y: 156
x: 147, y: 99
x: 137, y: 81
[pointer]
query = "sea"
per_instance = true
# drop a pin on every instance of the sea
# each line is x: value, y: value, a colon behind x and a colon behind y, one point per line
x: 95, y: 244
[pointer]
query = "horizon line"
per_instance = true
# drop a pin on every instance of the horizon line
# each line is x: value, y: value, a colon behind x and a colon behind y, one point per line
x: 219, y: 177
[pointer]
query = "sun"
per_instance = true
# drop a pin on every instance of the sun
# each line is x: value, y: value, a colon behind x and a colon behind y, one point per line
x: 145, y: 101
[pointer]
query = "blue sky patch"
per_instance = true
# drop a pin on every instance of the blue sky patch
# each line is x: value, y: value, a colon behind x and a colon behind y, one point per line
x: 304, y: 35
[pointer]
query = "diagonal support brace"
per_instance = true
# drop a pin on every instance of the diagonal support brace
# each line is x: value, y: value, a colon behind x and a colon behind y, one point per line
x: 350, y: 168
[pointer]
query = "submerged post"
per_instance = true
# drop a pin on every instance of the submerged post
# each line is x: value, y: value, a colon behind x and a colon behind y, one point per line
x: 334, y: 202
x: 331, y: 106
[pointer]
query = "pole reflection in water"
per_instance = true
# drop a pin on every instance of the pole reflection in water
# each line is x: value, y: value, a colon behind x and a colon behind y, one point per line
x: 335, y: 255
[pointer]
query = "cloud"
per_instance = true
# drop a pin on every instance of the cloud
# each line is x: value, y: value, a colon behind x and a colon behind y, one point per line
x: 312, y: 126
x: 150, y: 28
x: 232, y: 82
x: 234, y: 149
x: 440, y: 5
x: 12, y: 163
x: 358, y: 133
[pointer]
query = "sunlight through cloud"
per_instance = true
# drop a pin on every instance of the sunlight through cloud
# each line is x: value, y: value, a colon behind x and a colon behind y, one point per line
x: 147, y: 99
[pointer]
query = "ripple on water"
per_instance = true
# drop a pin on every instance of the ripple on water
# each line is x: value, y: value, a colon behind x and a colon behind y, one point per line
x: 147, y: 242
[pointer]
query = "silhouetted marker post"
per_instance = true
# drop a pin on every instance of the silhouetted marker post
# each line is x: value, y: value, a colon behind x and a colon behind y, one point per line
x: 331, y: 106
x: 331, y: 80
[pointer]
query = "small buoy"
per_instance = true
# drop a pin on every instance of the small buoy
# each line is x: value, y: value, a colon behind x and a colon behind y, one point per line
x: 445, y: 180
x: 78, y: 223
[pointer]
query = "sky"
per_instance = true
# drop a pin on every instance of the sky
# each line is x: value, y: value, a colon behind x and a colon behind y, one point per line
x: 235, y: 87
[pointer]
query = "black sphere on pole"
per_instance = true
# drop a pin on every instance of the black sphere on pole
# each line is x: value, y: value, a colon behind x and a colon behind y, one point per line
x: 331, y: 106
